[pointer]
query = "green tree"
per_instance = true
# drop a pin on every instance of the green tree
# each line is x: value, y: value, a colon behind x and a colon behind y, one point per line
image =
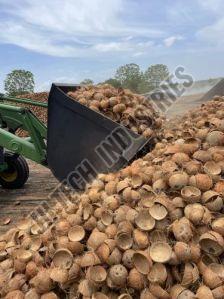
x: 130, y: 76
x: 87, y: 82
x: 155, y: 74
x: 19, y: 82
x: 113, y: 82
x: 143, y: 86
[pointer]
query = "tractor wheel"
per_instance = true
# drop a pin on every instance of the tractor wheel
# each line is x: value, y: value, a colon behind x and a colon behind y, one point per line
x: 17, y: 173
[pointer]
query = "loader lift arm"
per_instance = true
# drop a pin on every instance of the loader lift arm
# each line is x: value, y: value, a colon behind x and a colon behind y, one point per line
x: 14, y: 170
x: 13, y: 118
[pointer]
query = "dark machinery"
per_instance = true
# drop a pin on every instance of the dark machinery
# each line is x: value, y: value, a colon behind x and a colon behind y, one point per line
x: 76, y: 144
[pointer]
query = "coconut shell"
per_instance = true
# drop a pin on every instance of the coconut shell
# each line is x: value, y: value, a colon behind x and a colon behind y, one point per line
x: 97, y: 275
x: 158, y: 211
x: 215, y: 138
x: 15, y: 283
x: 118, y: 275
x: 50, y: 295
x: 63, y: 258
x: 103, y: 252
x: 96, y: 239
x: 124, y: 241
x: 218, y: 225
x: 76, y: 233
x: 212, y: 200
x: 89, y: 259
x: 142, y: 262
x: 180, y: 158
x: 140, y: 239
x: 15, y: 295
x: 178, y: 180
x: 127, y: 258
x: 75, y: 247
x: 144, y: 220
x: 115, y: 257
x: 157, y: 235
x: 136, y: 280
x: 146, y: 294
x: 212, y: 243
x: 107, y: 217
x: 213, y: 275
x: 176, y: 291
x: 204, y: 292
x: 158, y: 274
x: 212, y: 168
x: 42, y: 282
x: 218, y: 293
x: 191, y: 194
x: 99, y: 295
x: 160, y: 252
x: 182, y: 230
x: 219, y: 187
x: 62, y: 227
x: 32, y: 294
x: 59, y: 275
x: 201, y: 181
x: 31, y: 269
x: 182, y: 251
x: 86, y: 288
x: 158, y: 291
x: 190, y: 275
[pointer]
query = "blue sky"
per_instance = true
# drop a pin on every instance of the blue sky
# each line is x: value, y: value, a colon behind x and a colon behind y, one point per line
x: 67, y: 41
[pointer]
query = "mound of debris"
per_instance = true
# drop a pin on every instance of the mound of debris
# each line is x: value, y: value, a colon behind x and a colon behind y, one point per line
x: 121, y: 105
x: 155, y: 229
x: 40, y: 112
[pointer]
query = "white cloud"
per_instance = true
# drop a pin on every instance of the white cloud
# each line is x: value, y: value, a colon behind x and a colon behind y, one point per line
x: 170, y: 41
x: 70, y: 28
x: 213, y: 34
x: 111, y: 47
x: 124, y: 46
x: 137, y: 54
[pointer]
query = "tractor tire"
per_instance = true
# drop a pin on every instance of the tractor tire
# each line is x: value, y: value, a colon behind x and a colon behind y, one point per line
x: 17, y: 173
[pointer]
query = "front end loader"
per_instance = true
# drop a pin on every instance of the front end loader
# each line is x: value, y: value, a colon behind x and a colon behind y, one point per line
x: 76, y: 143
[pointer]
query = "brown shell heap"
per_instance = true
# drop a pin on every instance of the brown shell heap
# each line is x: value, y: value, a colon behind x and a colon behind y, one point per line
x: 155, y: 229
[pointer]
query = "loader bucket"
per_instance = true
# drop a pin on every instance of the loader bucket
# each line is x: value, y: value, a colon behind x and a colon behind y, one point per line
x: 82, y: 143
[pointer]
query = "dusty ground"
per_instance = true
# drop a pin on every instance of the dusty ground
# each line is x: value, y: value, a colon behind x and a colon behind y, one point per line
x: 183, y: 104
x: 15, y: 204
x: 19, y: 203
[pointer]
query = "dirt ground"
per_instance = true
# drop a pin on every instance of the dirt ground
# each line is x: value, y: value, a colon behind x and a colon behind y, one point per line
x: 15, y: 204
x: 183, y: 104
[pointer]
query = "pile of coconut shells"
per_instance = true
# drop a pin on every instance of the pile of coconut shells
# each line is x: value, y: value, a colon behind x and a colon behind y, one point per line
x: 121, y: 105
x: 155, y: 229
x: 40, y: 112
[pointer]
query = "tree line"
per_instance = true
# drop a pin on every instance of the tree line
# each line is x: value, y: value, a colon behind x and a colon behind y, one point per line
x: 130, y: 76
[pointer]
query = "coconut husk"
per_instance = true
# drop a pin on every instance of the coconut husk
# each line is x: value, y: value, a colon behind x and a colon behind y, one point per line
x: 63, y: 258
x: 204, y: 292
x: 212, y: 243
x: 142, y: 262
x: 118, y: 275
x: 160, y: 252
x: 144, y: 220
x: 158, y: 274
